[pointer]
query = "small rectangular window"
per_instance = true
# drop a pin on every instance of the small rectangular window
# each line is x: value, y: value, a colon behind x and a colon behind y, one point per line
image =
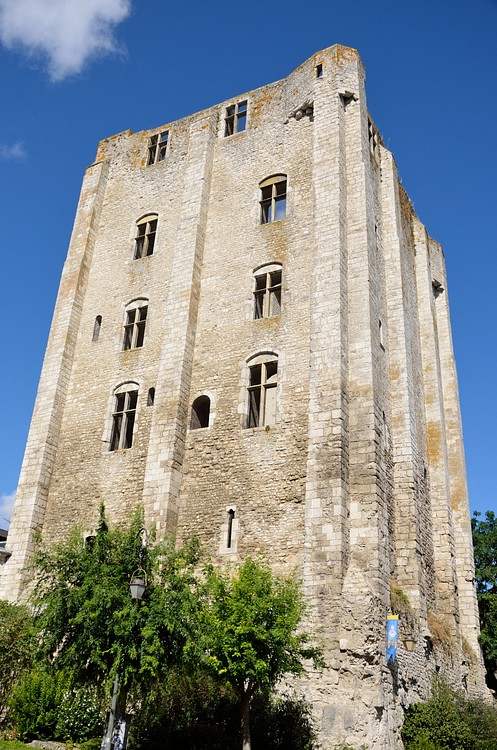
x: 235, y: 119
x: 123, y: 420
x: 134, y: 327
x: 267, y: 294
x: 157, y: 147
x: 145, y: 238
x: 319, y: 71
x: 262, y: 394
x: 273, y: 199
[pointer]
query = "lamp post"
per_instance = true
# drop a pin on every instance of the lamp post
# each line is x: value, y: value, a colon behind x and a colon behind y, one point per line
x: 137, y: 586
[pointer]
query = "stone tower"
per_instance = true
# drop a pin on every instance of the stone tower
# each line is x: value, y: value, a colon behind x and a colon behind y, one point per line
x: 252, y: 340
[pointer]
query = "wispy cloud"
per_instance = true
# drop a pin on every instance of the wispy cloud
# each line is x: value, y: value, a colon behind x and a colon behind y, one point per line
x: 15, y: 151
x: 67, y: 33
x: 6, y: 505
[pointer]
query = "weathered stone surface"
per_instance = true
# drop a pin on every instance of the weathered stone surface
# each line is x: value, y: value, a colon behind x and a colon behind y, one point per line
x: 359, y: 481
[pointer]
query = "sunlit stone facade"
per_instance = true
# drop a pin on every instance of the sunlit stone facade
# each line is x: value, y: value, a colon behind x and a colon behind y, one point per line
x: 252, y: 340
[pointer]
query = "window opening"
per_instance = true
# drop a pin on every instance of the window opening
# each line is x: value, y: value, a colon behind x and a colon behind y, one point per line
x: 96, y: 328
x: 201, y: 408
x: 123, y: 420
x: 380, y: 329
x: 151, y: 397
x: 235, y: 119
x: 273, y: 199
x: 229, y: 536
x: 267, y: 294
x: 157, y: 147
x: 319, y: 71
x: 134, y: 328
x: 262, y: 394
x: 145, y: 237
x: 373, y: 138
x: 437, y: 288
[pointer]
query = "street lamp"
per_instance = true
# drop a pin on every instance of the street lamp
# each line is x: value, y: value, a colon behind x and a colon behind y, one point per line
x: 137, y: 586
x: 409, y: 642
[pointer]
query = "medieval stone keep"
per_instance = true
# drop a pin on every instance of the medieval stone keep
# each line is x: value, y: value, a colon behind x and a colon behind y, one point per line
x: 252, y: 339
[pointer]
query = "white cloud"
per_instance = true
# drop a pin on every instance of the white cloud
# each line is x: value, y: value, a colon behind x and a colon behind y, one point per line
x: 65, y: 32
x: 16, y: 151
x: 6, y: 505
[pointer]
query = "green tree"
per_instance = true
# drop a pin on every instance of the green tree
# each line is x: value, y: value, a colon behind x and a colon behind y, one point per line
x: 90, y: 626
x: 16, y: 646
x: 251, y: 633
x: 449, y: 721
x: 485, y: 551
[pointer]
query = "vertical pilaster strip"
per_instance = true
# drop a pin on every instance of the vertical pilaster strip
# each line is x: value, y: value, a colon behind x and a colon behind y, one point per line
x: 456, y: 462
x: 326, y: 482
x: 163, y: 471
x: 41, y: 447
x: 366, y: 579
x: 412, y: 556
x: 436, y: 439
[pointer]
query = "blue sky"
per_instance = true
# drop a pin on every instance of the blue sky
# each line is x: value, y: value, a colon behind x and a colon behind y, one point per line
x: 73, y: 72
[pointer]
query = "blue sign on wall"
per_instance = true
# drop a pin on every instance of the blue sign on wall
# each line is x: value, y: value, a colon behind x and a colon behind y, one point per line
x: 392, y: 637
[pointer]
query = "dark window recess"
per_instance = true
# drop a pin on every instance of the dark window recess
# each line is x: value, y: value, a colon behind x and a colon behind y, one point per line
x: 267, y: 295
x: 145, y: 239
x: 96, y: 328
x: 201, y: 409
x: 235, y: 119
x: 123, y: 420
x: 229, y: 537
x: 151, y: 397
x: 157, y: 147
x: 437, y: 288
x: 134, y: 328
x: 262, y: 394
x: 373, y: 138
x: 319, y: 71
x: 273, y: 201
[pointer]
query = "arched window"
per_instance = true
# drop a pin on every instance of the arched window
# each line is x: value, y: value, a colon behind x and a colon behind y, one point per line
x: 134, y: 324
x: 263, y: 381
x: 267, y: 291
x: 273, y: 198
x: 201, y: 409
x: 96, y: 328
x: 146, y: 229
x: 123, y: 416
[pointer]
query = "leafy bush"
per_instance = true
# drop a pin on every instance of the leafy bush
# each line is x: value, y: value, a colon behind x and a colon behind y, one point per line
x: 16, y: 646
x: 34, y: 703
x: 202, y: 715
x: 448, y: 721
x: 80, y: 715
x: 45, y: 706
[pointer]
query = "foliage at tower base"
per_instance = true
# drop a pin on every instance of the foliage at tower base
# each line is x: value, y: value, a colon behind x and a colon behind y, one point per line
x: 200, y: 640
x: 197, y: 712
x: 251, y: 633
x: 16, y: 647
x: 449, y: 721
x: 89, y: 626
x: 485, y: 550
